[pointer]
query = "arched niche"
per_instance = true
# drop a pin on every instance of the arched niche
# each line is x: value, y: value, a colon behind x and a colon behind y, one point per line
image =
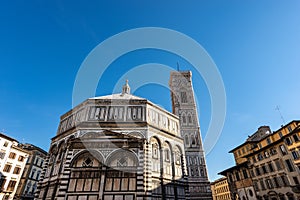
x: 167, y: 159
x: 178, y: 161
x: 155, y: 145
x: 136, y: 134
x: 87, y: 158
x: 122, y: 158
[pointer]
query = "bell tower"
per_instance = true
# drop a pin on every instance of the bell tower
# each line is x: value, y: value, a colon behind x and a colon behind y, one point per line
x: 184, y: 106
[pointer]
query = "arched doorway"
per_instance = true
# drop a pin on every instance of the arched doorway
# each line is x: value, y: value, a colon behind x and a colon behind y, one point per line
x: 91, y: 178
x: 85, y: 177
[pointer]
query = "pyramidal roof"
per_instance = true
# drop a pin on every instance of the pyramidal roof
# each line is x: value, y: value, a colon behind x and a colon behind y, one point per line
x: 124, y: 95
x: 119, y: 96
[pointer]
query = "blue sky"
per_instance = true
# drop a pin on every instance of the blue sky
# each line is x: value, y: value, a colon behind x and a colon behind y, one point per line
x: 254, y: 44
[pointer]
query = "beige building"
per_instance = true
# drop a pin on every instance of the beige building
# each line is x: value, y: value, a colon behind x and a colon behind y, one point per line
x: 268, y: 164
x: 12, y: 163
x: 122, y: 146
x: 32, y: 172
x: 220, y: 189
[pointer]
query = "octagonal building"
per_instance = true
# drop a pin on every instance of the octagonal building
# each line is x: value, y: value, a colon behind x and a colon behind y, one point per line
x: 118, y: 146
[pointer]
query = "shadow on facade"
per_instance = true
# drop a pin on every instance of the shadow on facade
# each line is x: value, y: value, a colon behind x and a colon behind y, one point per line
x: 128, y: 168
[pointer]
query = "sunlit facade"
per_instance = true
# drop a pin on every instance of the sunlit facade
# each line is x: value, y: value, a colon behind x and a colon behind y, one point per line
x: 220, y: 189
x: 122, y: 146
x: 267, y: 165
x: 32, y: 172
x: 13, y: 159
x: 116, y: 147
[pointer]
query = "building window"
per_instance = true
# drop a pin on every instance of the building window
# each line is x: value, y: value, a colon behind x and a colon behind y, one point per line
x: 257, y: 171
x: 269, y: 184
x: 21, y: 158
x: 262, y: 185
x: 289, y: 165
x: 38, y: 175
x: 190, y: 119
x: 295, y: 155
x: 278, y: 164
x: 266, y: 154
x: 296, y: 181
x: 5, y: 144
x: 196, y: 171
x: 183, y: 97
x: 7, y: 168
x: 193, y: 140
x: 255, y: 185
x: 276, y: 183
x: 259, y: 157
x: 239, y: 152
x: 245, y: 174
x: 37, y: 160
x: 243, y: 150
x: 11, y: 185
x: 32, y: 173
x: 269, y: 141
x: 288, y: 141
x: 284, y: 180
x: 177, y: 158
x: 191, y: 160
x: 122, y: 162
x: 154, y: 151
x: 2, y: 154
x: 3, y: 181
x: 88, y: 162
x: 289, y: 128
x: 250, y: 193
x: 202, y: 172
x: 271, y: 168
x: 186, y: 140
x: 167, y: 155
x: 230, y: 178
x: 184, y: 119
x: 273, y: 151
x: 247, y: 148
x: 12, y: 155
x: 33, y: 188
x: 195, y: 161
x: 295, y: 137
x: 283, y: 149
x: 237, y: 176
x: 17, y: 170
x: 264, y: 169
x: 27, y: 189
